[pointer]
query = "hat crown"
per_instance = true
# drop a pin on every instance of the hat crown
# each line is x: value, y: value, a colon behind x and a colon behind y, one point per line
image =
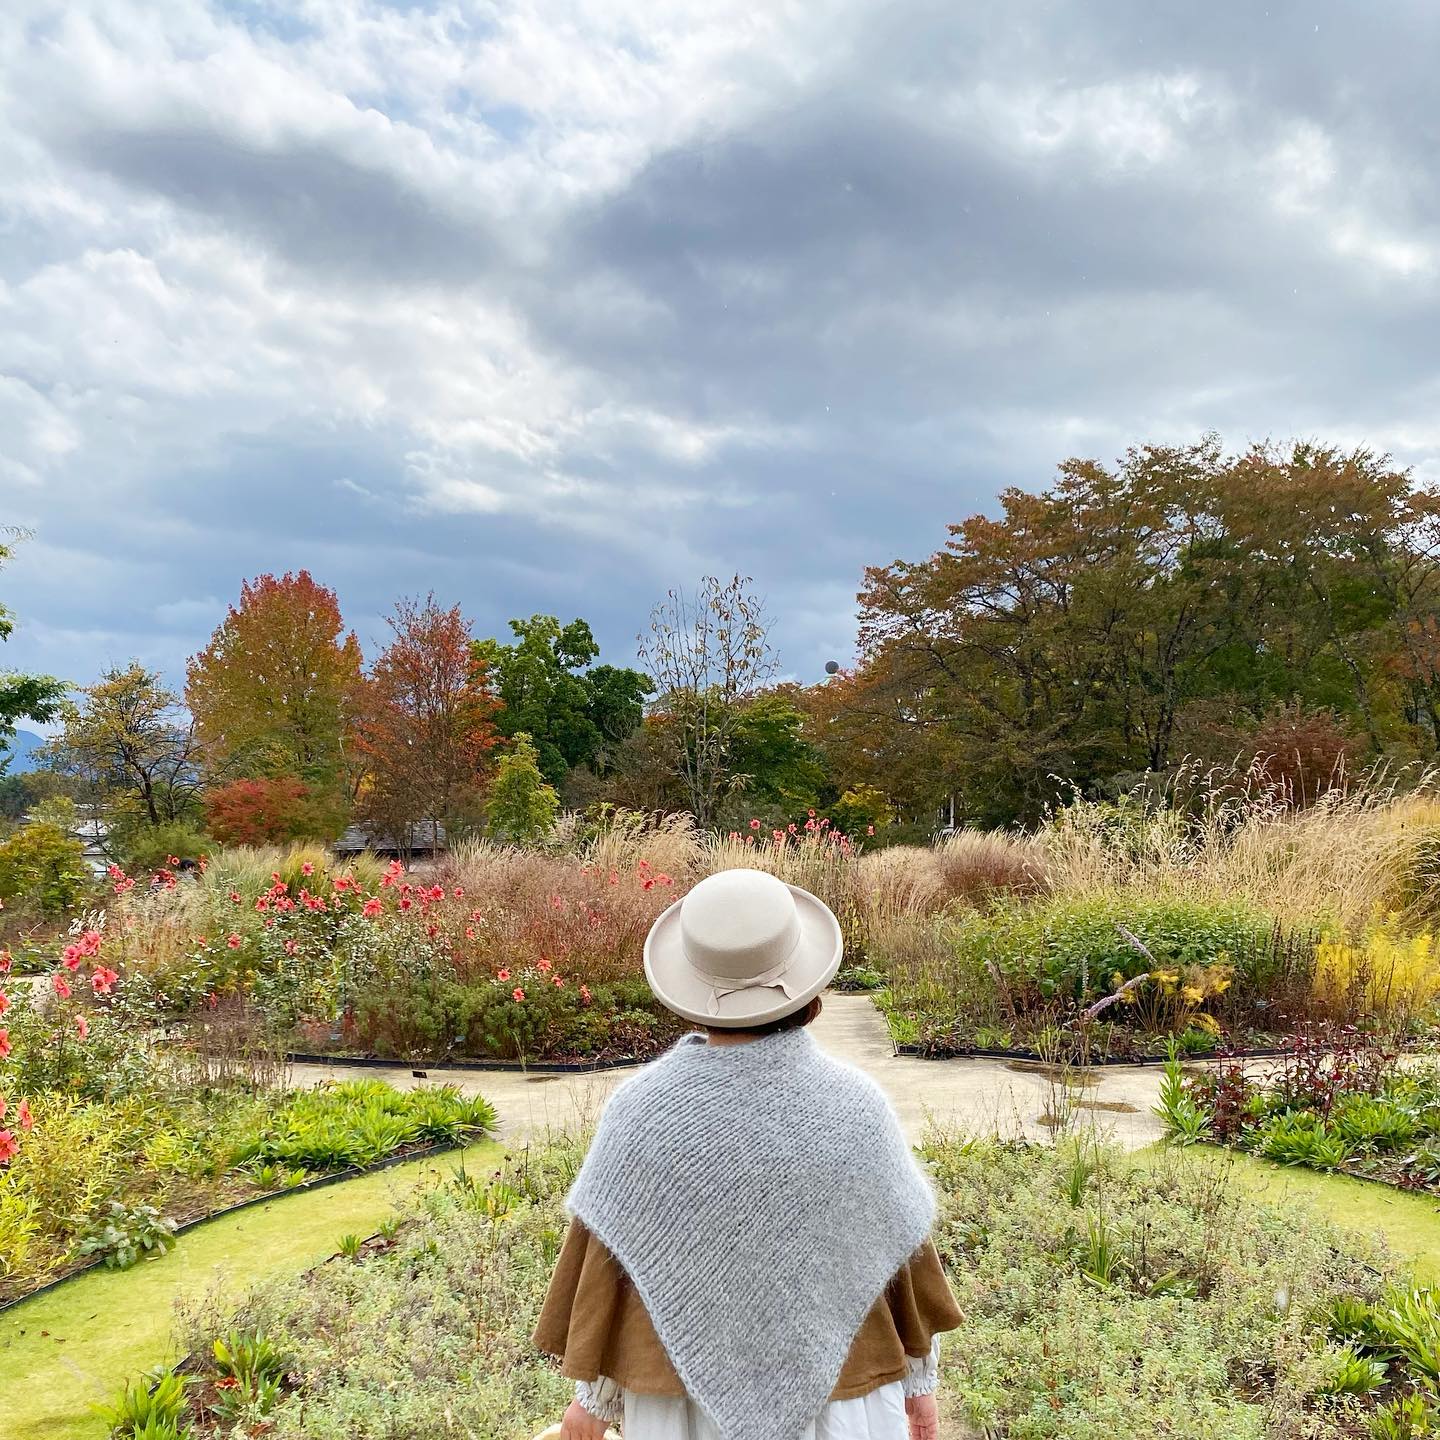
x: 739, y: 924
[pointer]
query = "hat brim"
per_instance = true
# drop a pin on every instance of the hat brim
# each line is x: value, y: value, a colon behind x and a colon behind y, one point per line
x: 816, y: 958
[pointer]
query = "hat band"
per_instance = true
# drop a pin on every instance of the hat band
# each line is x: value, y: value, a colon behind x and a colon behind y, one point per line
x: 723, y: 985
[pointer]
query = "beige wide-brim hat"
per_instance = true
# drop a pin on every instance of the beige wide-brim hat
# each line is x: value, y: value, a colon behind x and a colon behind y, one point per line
x: 741, y: 949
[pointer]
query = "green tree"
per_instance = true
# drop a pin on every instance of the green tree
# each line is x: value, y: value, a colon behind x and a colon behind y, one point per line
x: 772, y: 765
x: 22, y: 697
x: 129, y: 746
x: 520, y: 806
x: 576, y: 713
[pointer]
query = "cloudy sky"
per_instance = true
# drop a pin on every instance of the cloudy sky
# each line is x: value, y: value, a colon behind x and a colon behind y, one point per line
x: 550, y: 305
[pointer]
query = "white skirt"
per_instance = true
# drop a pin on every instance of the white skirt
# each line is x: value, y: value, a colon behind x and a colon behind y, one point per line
x: 880, y: 1415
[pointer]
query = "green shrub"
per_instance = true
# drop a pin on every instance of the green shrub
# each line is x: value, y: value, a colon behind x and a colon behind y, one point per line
x: 44, y: 867
x: 127, y: 1234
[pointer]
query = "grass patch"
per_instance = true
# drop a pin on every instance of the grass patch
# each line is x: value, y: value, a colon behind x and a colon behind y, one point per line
x: 62, y: 1351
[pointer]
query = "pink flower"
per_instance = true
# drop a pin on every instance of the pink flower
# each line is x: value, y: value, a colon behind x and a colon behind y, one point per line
x: 70, y: 957
x: 585, y: 994
x: 518, y: 993
x: 5, y: 962
x: 559, y: 982
x: 370, y: 909
x: 811, y: 813
x: 663, y: 879
x: 4, y: 1002
x: 262, y: 904
x: 291, y: 946
x: 307, y: 868
x: 9, y: 1149
x: 103, y: 980
x: 614, y: 878
x: 556, y: 903
x: 869, y: 829
x: 234, y: 897
x: 233, y: 940
x: 406, y: 902
x: 754, y: 824
x: 469, y: 932
x: 89, y: 943
x: 542, y: 965
x: 503, y: 976
x: 82, y: 1027
x: 57, y: 980
x: 23, y: 1115
x: 476, y: 915
x: 437, y: 892
x: 4, y: 1043
x: 458, y: 892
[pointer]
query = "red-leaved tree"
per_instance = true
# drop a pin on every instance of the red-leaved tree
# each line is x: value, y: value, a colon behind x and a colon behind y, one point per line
x: 427, y: 723
x: 270, y: 812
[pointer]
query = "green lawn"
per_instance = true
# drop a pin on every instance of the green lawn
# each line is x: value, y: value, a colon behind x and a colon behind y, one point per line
x: 1409, y: 1222
x: 62, y: 1351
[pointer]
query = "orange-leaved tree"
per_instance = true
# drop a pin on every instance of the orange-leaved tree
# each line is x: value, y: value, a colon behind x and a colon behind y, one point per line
x: 427, y: 724
x: 274, y: 693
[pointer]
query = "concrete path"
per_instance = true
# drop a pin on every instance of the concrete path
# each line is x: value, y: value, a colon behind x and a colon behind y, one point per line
x: 988, y: 1097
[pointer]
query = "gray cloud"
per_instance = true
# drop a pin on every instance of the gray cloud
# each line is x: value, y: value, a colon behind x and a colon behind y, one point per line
x: 787, y: 309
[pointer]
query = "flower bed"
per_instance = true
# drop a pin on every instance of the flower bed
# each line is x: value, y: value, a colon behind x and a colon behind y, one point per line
x: 1101, y: 1299
x: 1335, y: 1100
x: 110, y: 1142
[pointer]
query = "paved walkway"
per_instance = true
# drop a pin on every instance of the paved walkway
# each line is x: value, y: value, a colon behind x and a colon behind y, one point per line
x: 977, y: 1096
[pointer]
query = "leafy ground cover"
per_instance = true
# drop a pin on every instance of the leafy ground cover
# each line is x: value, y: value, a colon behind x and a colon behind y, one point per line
x: 1104, y: 1295
x: 1335, y: 1101
x: 73, y: 1347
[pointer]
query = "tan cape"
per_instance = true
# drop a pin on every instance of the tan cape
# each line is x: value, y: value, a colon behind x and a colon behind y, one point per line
x: 595, y: 1323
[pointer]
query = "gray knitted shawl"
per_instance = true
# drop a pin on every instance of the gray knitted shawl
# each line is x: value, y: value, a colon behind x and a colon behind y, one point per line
x: 760, y: 1197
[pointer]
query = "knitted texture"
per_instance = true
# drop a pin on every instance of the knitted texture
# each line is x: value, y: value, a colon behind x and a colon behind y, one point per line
x: 760, y: 1197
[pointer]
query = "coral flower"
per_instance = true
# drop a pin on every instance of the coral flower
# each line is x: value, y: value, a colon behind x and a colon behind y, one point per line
x: 8, y: 1147
x: 869, y: 829
x: 370, y: 909
x: 4, y: 1002
x: 23, y: 1115
x: 103, y: 980
x: 503, y: 976
x: 262, y: 904
x: 307, y: 868
x: 82, y: 1027
x: 518, y: 993
x: 5, y: 962
x: 4, y: 1043
x: 754, y: 824
x: 234, y: 897
x: 61, y: 988
x: 663, y: 879
x: 559, y: 982
x: 585, y: 994
x: 89, y: 943
x: 70, y: 957
x: 458, y: 892
x: 542, y: 965
x: 233, y: 940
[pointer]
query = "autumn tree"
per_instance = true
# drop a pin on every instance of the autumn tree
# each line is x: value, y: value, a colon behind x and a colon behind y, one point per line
x: 707, y: 653
x: 268, y: 812
x: 129, y: 746
x: 428, y: 722
x: 1065, y: 640
x: 22, y: 697
x: 275, y: 691
x: 575, y: 712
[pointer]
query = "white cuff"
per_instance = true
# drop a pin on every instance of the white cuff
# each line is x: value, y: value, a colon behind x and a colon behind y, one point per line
x: 923, y: 1373
x: 602, y: 1397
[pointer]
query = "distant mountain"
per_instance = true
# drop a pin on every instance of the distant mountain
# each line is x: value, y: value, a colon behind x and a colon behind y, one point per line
x: 22, y: 752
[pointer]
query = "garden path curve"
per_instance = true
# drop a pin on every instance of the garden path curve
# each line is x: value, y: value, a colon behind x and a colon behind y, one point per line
x: 979, y: 1096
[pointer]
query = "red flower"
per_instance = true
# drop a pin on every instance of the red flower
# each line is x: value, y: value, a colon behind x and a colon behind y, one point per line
x: 370, y: 909
x: 503, y: 976
x: 61, y: 988
x: 234, y: 897
x: 103, y: 980
x: 754, y: 824
x: 647, y: 883
x: 518, y: 993
x: 291, y: 946
x: 307, y: 868
x: 4, y: 1002
x: 172, y: 860
x: 82, y: 1027
x: 437, y: 892
x: 8, y: 1147
x: 233, y: 940
x: 406, y: 902
x: 5, y: 962
x: 23, y: 1115
x: 4, y: 1043
x: 262, y: 904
